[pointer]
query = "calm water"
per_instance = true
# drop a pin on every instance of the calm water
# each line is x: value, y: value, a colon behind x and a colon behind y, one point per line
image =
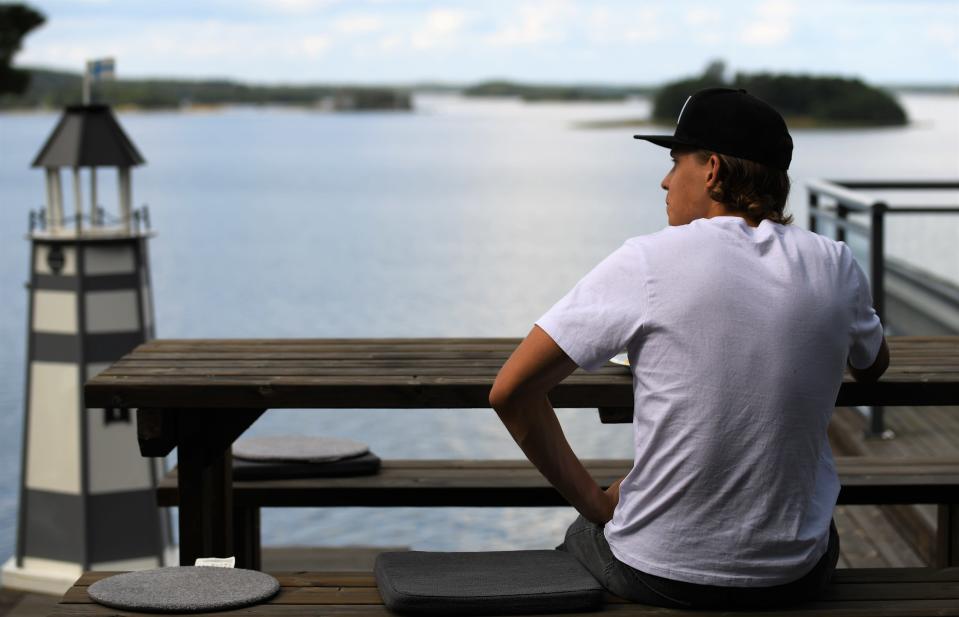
x: 467, y: 218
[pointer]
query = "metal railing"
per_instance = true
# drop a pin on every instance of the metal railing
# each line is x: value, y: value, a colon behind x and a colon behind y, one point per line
x: 833, y: 201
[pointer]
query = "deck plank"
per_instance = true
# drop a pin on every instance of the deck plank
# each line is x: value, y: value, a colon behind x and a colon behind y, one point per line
x: 915, y: 592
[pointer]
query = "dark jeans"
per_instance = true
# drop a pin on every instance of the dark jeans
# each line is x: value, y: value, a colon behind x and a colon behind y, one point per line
x: 586, y: 542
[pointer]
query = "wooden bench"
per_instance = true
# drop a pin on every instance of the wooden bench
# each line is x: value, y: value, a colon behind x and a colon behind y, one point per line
x: 497, y: 483
x: 886, y: 592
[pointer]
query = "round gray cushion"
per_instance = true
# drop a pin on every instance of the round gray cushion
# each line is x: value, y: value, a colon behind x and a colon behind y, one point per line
x: 186, y: 589
x: 297, y: 448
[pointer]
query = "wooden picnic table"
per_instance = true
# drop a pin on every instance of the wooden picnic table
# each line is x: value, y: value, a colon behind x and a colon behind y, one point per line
x: 200, y: 395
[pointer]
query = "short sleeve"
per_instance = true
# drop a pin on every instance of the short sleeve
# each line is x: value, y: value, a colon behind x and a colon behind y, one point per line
x: 603, y: 313
x: 866, y: 331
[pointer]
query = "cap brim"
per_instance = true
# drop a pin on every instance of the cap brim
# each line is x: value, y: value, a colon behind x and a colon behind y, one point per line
x: 667, y: 141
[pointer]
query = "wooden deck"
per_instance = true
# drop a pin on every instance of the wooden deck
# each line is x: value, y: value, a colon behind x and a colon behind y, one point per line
x: 893, y: 535
x: 917, y: 592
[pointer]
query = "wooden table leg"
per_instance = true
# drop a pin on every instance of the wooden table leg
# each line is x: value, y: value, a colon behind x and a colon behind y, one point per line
x: 947, y: 536
x: 246, y: 536
x: 205, y: 481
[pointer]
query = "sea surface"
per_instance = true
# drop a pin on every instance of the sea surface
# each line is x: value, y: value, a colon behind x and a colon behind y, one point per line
x: 465, y: 218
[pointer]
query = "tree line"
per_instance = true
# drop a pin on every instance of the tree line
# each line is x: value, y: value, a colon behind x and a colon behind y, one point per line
x: 800, y: 98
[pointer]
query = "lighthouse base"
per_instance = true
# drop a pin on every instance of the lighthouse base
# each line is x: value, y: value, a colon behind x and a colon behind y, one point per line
x: 56, y: 577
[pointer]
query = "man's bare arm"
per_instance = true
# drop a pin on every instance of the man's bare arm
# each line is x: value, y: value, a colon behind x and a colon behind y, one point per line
x: 519, y: 398
x: 874, y: 372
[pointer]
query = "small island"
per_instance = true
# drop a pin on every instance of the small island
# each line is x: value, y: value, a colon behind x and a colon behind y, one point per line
x: 540, y: 93
x: 805, y: 101
x: 49, y: 89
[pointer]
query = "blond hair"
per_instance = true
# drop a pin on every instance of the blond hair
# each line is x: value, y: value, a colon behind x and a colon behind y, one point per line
x: 756, y: 191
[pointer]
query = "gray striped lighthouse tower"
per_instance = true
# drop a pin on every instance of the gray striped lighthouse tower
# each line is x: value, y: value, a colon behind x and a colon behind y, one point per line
x: 87, y: 497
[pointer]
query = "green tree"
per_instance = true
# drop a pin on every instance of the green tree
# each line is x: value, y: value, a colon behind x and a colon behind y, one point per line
x: 670, y: 98
x: 16, y: 20
x: 803, y: 99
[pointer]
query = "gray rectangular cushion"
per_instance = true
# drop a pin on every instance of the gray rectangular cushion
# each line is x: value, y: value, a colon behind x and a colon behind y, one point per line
x: 493, y: 583
x: 363, y: 465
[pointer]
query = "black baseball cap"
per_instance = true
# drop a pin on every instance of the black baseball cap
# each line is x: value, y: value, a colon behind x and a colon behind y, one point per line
x: 733, y: 122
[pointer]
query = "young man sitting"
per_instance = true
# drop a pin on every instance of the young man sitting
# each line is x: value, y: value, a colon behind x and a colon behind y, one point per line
x: 737, y: 327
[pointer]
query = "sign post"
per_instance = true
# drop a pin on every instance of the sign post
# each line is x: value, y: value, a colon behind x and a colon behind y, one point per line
x: 97, y: 70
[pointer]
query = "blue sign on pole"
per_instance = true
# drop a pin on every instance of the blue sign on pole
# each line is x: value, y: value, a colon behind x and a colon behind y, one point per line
x: 101, y: 69
x: 97, y: 70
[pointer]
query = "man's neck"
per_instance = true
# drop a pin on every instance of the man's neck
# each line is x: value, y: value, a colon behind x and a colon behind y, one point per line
x: 718, y: 209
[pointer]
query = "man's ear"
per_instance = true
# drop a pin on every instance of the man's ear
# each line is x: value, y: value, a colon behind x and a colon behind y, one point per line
x: 712, y: 171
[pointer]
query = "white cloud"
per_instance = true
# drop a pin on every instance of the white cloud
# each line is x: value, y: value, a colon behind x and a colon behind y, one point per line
x: 439, y: 29
x: 644, y: 26
x: 391, y: 42
x: 314, y: 45
x: 624, y: 25
x: 701, y: 16
x: 535, y: 22
x: 944, y: 34
x: 772, y: 24
x: 294, y: 6
x: 187, y: 48
x: 205, y: 40
x: 358, y: 24
x: 66, y: 56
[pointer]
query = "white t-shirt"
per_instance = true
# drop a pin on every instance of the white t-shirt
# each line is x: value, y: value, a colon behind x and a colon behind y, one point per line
x: 737, y: 338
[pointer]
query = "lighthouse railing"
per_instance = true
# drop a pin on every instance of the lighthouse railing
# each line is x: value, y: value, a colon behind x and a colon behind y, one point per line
x: 98, y: 220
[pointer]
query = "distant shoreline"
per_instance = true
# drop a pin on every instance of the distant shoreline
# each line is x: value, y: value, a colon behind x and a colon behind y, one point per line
x: 55, y: 89
x: 210, y: 108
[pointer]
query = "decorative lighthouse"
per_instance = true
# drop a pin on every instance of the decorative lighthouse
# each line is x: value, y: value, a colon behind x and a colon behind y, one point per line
x: 87, y: 497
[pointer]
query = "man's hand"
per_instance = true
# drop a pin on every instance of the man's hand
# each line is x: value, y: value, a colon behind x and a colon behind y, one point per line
x: 613, y: 492
x: 519, y: 398
x: 612, y: 499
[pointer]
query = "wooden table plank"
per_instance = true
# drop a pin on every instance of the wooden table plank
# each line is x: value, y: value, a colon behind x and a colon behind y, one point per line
x: 410, y: 373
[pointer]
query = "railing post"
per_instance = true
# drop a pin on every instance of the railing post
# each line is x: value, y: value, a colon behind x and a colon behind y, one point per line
x: 842, y: 213
x: 877, y: 277
x: 877, y: 263
x: 813, y: 209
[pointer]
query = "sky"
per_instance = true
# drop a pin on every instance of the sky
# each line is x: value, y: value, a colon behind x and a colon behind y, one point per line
x: 548, y: 41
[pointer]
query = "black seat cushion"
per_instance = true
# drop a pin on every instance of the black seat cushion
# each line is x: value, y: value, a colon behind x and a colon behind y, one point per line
x: 492, y: 583
x: 363, y: 465
x: 185, y: 589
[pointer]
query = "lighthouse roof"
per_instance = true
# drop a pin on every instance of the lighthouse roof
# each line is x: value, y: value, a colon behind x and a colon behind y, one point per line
x: 88, y: 136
